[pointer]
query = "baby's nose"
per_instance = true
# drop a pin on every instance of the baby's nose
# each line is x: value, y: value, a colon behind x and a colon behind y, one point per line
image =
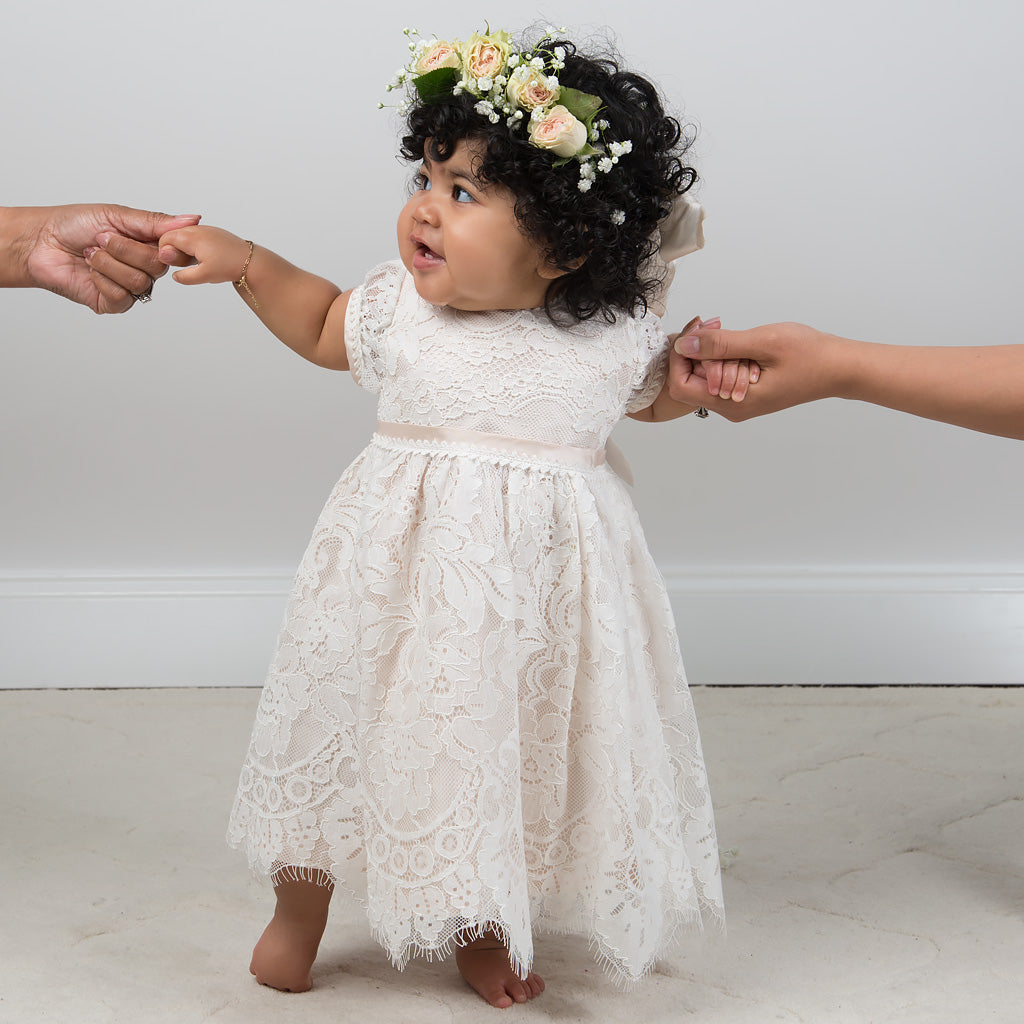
x: 425, y: 209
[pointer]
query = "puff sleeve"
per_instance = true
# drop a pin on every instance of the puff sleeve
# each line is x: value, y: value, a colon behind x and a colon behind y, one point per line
x: 371, y: 310
x: 651, y: 365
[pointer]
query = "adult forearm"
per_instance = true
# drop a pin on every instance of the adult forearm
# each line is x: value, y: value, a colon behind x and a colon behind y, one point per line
x: 18, y: 226
x: 981, y: 388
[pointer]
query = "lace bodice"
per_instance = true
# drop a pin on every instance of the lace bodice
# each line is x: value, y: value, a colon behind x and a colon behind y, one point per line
x: 509, y: 372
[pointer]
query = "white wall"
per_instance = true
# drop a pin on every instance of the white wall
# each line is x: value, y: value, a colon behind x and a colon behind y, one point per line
x: 160, y: 471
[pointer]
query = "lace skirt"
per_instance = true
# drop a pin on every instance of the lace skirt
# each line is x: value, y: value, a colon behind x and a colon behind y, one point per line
x: 476, y: 716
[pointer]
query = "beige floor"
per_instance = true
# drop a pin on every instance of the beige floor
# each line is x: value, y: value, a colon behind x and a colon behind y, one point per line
x: 872, y: 838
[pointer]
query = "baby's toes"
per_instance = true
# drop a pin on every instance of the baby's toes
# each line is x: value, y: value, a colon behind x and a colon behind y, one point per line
x: 499, y: 997
x: 519, y: 991
x: 535, y: 983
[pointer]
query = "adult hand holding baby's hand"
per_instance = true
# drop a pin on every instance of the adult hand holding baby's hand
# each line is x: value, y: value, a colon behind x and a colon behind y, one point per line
x: 698, y: 377
x: 97, y: 254
x: 796, y: 363
x: 209, y: 255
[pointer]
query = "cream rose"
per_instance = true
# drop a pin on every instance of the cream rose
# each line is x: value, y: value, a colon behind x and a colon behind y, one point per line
x: 528, y: 88
x: 486, y: 56
x: 559, y: 131
x: 440, y: 54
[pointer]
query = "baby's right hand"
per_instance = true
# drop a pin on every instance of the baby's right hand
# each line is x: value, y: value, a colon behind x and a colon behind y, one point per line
x: 214, y: 255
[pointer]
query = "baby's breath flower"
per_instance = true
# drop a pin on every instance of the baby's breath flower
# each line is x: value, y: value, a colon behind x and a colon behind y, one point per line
x: 604, y: 165
x: 618, y: 216
x: 587, y: 169
x: 584, y: 184
x: 484, y: 84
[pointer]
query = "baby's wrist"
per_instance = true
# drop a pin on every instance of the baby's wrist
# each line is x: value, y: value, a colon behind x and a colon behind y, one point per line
x: 241, y: 283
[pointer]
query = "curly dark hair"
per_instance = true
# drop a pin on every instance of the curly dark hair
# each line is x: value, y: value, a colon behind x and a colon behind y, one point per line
x: 571, y: 225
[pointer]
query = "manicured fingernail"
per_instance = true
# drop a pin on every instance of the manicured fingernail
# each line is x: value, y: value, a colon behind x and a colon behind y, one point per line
x: 104, y: 238
x: 714, y: 323
x: 688, y: 345
x: 87, y: 253
x: 166, y: 254
x: 754, y: 374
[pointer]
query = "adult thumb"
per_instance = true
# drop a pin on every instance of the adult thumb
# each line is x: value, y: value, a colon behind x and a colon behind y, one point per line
x: 146, y: 226
x: 707, y: 343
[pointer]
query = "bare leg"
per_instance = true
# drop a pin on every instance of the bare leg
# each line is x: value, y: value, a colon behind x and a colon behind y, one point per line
x: 485, y: 965
x: 286, y: 950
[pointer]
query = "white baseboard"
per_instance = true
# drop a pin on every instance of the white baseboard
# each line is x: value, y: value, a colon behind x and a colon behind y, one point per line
x: 817, y: 626
x: 876, y: 626
x: 120, y: 631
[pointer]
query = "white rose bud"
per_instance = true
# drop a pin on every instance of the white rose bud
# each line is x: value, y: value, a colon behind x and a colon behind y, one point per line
x: 560, y: 132
x: 529, y: 88
x: 439, y: 55
x: 486, y: 56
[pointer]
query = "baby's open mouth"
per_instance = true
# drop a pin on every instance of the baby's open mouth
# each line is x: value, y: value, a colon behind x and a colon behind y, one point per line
x: 425, y: 256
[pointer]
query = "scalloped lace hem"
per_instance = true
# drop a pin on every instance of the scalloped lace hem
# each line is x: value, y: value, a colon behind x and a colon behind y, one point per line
x: 701, y: 923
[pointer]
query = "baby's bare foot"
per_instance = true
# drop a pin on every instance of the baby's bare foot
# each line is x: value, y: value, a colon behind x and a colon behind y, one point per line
x: 282, y: 959
x: 285, y: 953
x: 485, y: 965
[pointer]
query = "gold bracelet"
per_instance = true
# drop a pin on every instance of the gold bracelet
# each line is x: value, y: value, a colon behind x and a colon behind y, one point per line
x: 242, y: 283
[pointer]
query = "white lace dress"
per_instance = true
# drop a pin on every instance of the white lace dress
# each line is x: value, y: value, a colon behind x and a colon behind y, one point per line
x: 477, y: 714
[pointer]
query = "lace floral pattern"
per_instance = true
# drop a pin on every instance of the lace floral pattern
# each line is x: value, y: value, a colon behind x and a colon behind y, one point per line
x: 477, y: 714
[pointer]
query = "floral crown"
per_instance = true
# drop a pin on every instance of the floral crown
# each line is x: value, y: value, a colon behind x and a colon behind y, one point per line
x: 520, y: 85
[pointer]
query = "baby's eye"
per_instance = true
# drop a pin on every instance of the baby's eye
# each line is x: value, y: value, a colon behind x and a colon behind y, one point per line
x: 460, y: 195
x: 422, y: 182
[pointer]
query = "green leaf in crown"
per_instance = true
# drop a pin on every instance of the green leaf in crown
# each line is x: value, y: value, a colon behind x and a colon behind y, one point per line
x: 436, y: 83
x: 582, y: 105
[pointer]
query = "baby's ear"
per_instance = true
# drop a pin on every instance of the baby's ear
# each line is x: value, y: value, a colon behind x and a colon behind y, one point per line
x: 551, y: 271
